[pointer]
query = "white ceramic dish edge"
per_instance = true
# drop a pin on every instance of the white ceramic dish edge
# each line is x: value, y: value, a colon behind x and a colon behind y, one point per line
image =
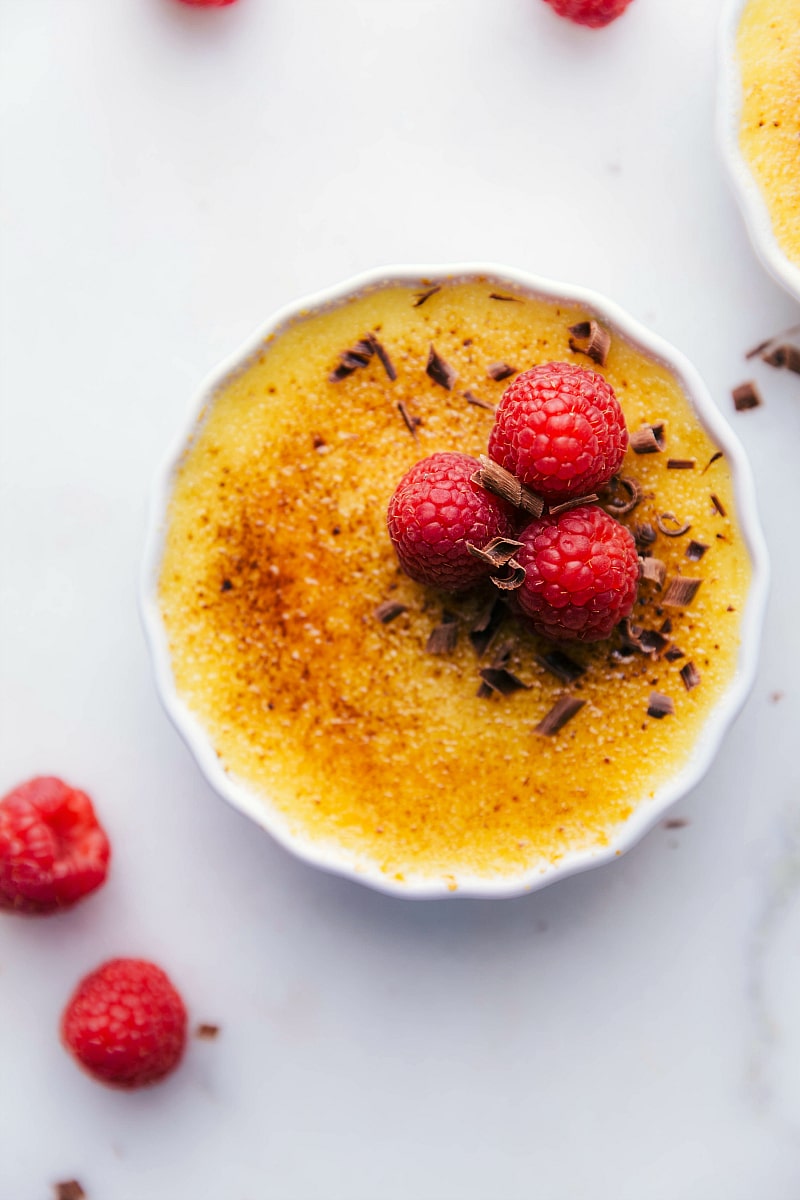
x: 646, y: 814
x: 751, y: 201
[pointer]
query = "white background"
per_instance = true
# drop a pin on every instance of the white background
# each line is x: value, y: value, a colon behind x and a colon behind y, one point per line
x: 171, y: 176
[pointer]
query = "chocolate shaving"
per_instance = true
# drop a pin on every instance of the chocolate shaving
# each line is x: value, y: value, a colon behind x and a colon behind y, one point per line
x: 561, y: 665
x: 680, y: 592
x: 675, y: 528
x: 676, y: 823
x: 496, y: 553
x: 648, y: 440
x: 680, y: 464
x: 69, y: 1190
x: 718, y: 505
x: 644, y: 535
x: 440, y: 371
x: 471, y: 398
x: 660, y: 706
x: 562, y: 711
x: 690, y: 676
x: 512, y: 578
x: 383, y: 355
x: 206, y: 1032
x: 500, y: 482
x: 350, y: 360
x: 714, y: 458
x: 226, y: 585
x: 647, y: 641
x: 617, y: 505
x: 443, y: 638
x: 785, y: 356
x: 507, y: 299
x: 654, y: 569
x: 503, y: 681
x: 576, y: 502
x: 410, y: 422
x: 340, y: 372
x: 695, y: 550
x: 745, y: 396
x: 674, y: 653
x: 423, y: 296
x: 389, y: 611
x: 598, y: 344
x: 486, y: 624
x: 499, y: 371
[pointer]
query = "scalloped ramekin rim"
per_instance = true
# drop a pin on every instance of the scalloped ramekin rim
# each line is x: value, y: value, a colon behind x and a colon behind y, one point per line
x: 646, y: 814
x: 750, y: 198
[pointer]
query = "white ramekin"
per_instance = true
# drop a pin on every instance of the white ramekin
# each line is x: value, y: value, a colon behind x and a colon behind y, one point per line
x: 647, y: 812
x: 747, y: 190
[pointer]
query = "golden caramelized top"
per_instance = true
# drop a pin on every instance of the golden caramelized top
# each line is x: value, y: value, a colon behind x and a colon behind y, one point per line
x: 277, y: 557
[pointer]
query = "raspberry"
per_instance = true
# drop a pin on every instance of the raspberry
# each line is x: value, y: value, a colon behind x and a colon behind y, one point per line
x: 435, y: 511
x: 53, y: 851
x: 560, y: 430
x: 126, y: 1024
x: 594, y: 13
x: 207, y: 3
x: 582, y: 572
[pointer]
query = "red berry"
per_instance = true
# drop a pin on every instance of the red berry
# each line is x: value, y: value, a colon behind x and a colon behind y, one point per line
x: 582, y: 572
x: 126, y: 1024
x: 560, y: 430
x: 53, y: 851
x: 435, y: 511
x: 594, y: 13
x: 207, y: 3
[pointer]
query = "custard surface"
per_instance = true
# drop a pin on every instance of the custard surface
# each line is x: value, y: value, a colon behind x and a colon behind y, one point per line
x: 276, y: 557
x: 768, y: 47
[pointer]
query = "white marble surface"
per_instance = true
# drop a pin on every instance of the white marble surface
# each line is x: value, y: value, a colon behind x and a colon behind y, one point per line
x: 170, y: 177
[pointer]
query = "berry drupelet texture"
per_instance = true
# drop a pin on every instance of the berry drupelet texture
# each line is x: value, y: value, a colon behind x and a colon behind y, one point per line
x: 126, y: 1024
x: 53, y: 850
x: 435, y: 511
x: 559, y: 428
x: 582, y: 573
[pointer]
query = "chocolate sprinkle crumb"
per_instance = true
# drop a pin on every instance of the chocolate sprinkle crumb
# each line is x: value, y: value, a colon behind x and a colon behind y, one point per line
x: 206, y: 1032
x: 714, y: 458
x: 471, y: 398
x: 389, y: 611
x: 648, y: 440
x: 383, y: 355
x: 69, y: 1190
x: 660, y: 706
x: 674, y: 653
x: 785, y: 356
x: 576, y: 502
x: 410, y: 422
x: 680, y: 592
x: 675, y: 527
x: 599, y: 341
x: 562, y: 711
x: 499, y: 371
x: 500, y: 482
x: 680, y: 464
x: 443, y: 637
x: 440, y: 371
x: 507, y: 299
x: 512, y: 578
x: 496, y: 553
x: 718, y: 505
x: 501, y: 680
x: 423, y: 296
x: 561, y: 665
x: 690, y: 676
x: 654, y: 569
x: 617, y: 505
x: 745, y: 396
x: 676, y: 823
x: 695, y: 550
x: 226, y: 585
x: 644, y: 535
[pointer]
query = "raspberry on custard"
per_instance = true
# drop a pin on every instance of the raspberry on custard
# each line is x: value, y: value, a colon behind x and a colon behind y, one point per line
x: 53, y: 850
x: 435, y: 511
x: 126, y: 1024
x: 559, y: 428
x: 594, y: 13
x: 581, y: 574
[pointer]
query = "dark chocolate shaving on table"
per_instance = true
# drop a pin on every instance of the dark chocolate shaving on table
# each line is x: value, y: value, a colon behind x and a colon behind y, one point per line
x: 423, y: 296
x: 440, y: 371
x: 500, y: 482
x: 675, y: 528
x: 654, y: 570
x: 674, y: 653
x: 496, y: 553
x: 471, y: 398
x: 561, y: 665
x: 206, y: 1031
x: 745, y: 396
x: 499, y: 371
x: 507, y: 299
x: 611, y: 500
x: 383, y: 356
x: 675, y: 823
x: 644, y: 535
x: 486, y: 624
x: 715, y: 457
x: 660, y: 706
x: 719, y: 506
x: 765, y: 349
x: 695, y: 550
x: 680, y: 592
x: 410, y: 422
x: 501, y: 680
x: 784, y: 356
x: 562, y: 711
x: 511, y: 576
x: 443, y: 637
x: 597, y: 341
x: 389, y: 611
x: 576, y: 502
x: 681, y: 464
x: 70, y: 1189
x: 690, y: 676
x: 648, y: 440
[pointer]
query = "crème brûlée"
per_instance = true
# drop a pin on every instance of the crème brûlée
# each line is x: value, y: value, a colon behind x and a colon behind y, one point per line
x: 306, y: 654
x: 768, y: 49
